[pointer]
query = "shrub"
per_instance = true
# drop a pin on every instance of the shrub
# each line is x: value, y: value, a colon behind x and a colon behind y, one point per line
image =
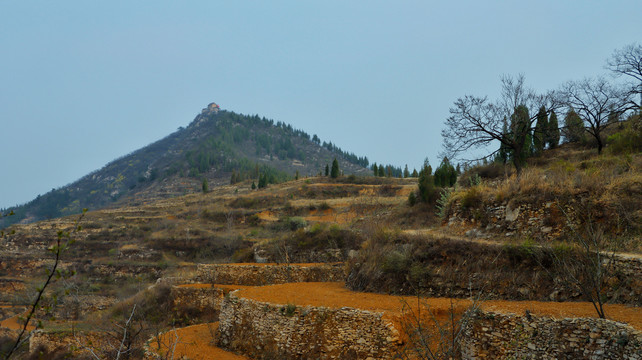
x: 472, y: 198
x: 412, y: 199
x: 296, y: 222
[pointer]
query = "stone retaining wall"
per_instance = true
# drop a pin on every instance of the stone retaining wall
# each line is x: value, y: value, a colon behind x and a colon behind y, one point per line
x: 263, y: 330
x: 231, y: 274
x: 502, y: 336
x: 201, y: 303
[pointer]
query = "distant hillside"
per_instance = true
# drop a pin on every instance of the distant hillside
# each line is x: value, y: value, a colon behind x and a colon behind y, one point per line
x: 218, y: 145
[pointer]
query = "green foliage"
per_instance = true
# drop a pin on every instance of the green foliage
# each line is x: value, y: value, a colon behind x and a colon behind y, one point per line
x: 539, y: 135
x: 412, y: 198
x: 472, y: 198
x: 573, y: 128
x: 334, y: 173
x: 442, y: 203
x: 327, y: 170
x: 205, y: 187
x: 552, y: 132
x: 414, y: 173
x: 406, y: 173
x: 522, y: 137
x: 427, y: 191
x: 627, y: 141
x: 288, y: 310
x: 445, y: 175
x: 253, y: 185
x: 382, y: 171
x: 296, y: 222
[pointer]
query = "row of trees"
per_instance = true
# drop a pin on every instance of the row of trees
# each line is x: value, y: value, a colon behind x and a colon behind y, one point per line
x: 525, y: 122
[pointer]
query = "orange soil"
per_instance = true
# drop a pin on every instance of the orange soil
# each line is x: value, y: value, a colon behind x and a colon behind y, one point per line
x: 267, y: 216
x: 331, y: 216
x: 335, y: 295
x: 13, y: 323
x: 194, y: 342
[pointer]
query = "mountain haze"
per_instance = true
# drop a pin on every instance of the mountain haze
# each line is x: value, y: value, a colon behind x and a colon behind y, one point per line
x: 218, y: 145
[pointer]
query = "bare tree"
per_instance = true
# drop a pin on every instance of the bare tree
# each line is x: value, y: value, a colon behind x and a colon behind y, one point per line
x: 476, y: 122
x: 628, y: 61
x: 595, y: 100
x: 63, y: 241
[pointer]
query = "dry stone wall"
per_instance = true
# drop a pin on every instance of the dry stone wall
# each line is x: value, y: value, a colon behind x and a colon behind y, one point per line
x: 192, y: 302
x: 263, y: 330
x: 268, y: 274
x: 501, y: 336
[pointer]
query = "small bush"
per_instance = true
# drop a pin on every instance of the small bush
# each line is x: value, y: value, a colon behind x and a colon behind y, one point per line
x: 472, y: 198
x: 296, y: 222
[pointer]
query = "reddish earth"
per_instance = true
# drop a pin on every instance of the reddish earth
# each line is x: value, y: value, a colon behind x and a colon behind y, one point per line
x: 13, y: 323
x: 194, y: 342
x: 335, y: 295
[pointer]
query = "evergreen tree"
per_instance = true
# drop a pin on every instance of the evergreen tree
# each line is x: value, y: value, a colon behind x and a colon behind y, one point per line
x: 414, y: 173
x: 375, y: 169
x: 573, y: 127
x: 406, y: 173
x: 445, y: 175
x: 553, y: 131
x: 205, y: 186
x: 427, y: 192
x: 296, y: 176
x: 327, y: 170
x: 521, y: 133
x: 334, y: 173
x: 253, y: 185
x: 539, y: 135
x: 382, y: 171
x: 263, y: 180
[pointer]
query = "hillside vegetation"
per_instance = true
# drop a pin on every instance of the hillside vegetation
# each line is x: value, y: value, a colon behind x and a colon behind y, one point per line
x: 218, y: 146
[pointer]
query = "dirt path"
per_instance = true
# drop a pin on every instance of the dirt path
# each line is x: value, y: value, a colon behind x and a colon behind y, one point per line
x: 445, y: 235
x: 335, y: 295
x: 195, y: 343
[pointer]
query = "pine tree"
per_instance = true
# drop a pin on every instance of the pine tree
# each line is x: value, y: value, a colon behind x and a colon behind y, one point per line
x: 382, y: 171
x: 375, y: 169
x: 521, y: 133
x: 553, y: 131
x: 445, y: 175
x: 406, y: 173
x: 296, y: 176
x: 427, y: 192
x: 539, y: 135
x: 205, y: 186
x: 334, y: 173
x: 573, y: 127
x: 327, y: 170
x: 263, y: 181
x: 253, y: 186
x: 414, y: 173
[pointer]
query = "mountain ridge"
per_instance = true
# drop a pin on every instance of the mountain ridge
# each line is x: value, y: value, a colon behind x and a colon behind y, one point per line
x: 218, y: 146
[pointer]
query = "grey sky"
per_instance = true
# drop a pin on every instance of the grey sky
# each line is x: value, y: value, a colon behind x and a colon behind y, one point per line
x: 84, y: 82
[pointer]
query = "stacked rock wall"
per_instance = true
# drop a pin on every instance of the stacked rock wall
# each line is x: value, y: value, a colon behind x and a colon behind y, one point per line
x: 268, y: 274
x: 263, y: 330
x: 501, y: 336
x: 193, y: 302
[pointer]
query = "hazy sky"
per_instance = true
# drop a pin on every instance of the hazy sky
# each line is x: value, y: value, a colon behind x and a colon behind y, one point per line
x: 85, y: 82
